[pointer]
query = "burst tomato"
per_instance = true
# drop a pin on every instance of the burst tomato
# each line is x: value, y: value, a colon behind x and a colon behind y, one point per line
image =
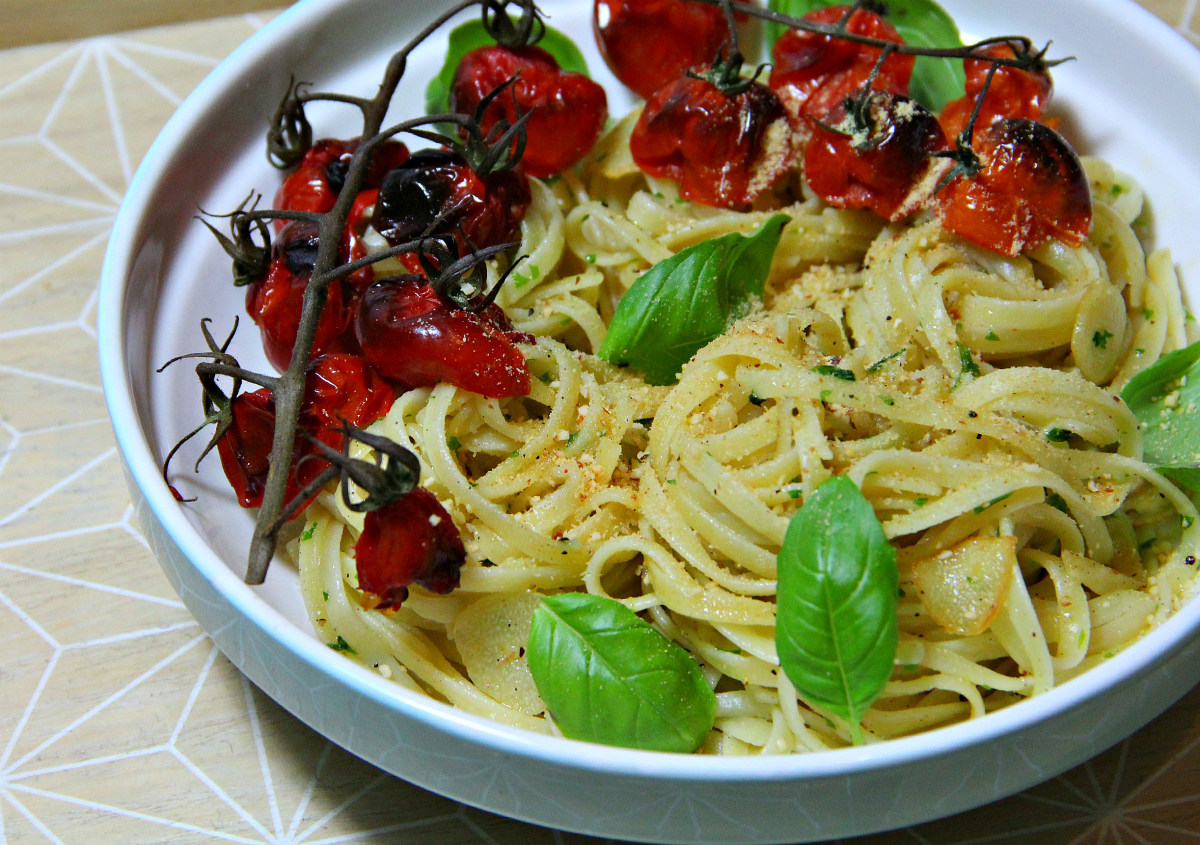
x: 1012, y: 93
x: 321, y: 173
x: 723, y: 150
x: 415, y: 340
x: 488, y: 211
x: 875, y: 165
x: 812, y: 73
x: 647, y: 43
x: 1029, y: 187
x: 275, y: 301
x: 568, y: 109
x: 409, y: 541
x: 338, y: 387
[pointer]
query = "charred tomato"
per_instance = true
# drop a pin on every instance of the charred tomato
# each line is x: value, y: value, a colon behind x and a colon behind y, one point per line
x: 1013, y: 92
x: 412, y: 540
x: 724, y: 149
x: 568, y: 110
x: 812, y: 73
x: 647, y: 43
x: 1024, y: 186
x: 484, y: 210
x: 872, y: 153
x: 414, y: 339
x: 321, y: 173
x: 275, y: 301
x: 338, y: 387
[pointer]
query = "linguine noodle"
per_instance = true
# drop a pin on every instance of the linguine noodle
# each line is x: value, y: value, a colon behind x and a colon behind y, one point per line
x: 1032, y: 540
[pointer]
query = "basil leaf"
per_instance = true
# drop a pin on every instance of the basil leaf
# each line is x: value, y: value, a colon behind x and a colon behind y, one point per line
x: 921, y: 23
x: 1165, y: 399
x: 836, y: 628
x: 471, y: 36
x: 608, y: 677
x: 689, y: 299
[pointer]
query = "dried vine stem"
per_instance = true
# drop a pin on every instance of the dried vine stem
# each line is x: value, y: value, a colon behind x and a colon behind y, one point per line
x: 289, y: 392
x: 1029, y: 57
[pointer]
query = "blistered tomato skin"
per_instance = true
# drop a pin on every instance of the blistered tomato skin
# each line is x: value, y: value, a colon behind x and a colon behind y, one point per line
x: 647, y: 43
x: 724, y: 151
x: 813, y: 73
x: 1012, y: 93
x: 338, y: 387
x: 876, y: 169
x: 568, y: 109
x: 317, y: 179
x: 275, y: 302
x: 1031, y: 187
x: 414, y: 339
x: 410, y: 541
x: 488, y: 209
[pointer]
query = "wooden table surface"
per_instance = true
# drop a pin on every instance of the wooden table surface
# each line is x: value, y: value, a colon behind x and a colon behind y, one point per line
x: 119, y: 721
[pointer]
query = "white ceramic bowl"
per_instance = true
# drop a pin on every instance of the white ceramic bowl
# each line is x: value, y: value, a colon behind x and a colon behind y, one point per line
x: 1132, y: 95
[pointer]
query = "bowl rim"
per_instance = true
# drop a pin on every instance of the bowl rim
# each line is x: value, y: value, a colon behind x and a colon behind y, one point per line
x: 144, y: 471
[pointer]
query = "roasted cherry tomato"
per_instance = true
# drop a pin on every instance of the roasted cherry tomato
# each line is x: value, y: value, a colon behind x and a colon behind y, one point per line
x: 409, y: 541
x: 275, y: 302
x: 414, y: 339
x: 1029, y: 187
x: 1012, y: 93
x: 338, y: 387
x: 341, y: 387
x: 723, y: 150
x: 813, y: 73
x: 568, y: 109
x: 316, y: 181
x: 488, y: 209
x: 647, y: 43
x: 873, y: 159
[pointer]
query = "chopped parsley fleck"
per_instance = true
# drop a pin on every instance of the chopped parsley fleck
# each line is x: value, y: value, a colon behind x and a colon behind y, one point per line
x: 887, y: 400
x: 341, y: 645
x: 754, y: 400
x: 325, y: 594
x: 795, y: 494
x: 993, y: 336
x: 572, y: 437
x: 1101, y: 338
x: 1117, y: 190
x: 836, y: 372
x: 1056, y: 501
x: 544, y: 378
x: 921, y: 501
x: 1147, y: 313
x: 452, y: 444
x: 590, y: 258
x: 308, y: 533
x: 1058, y: 435
x: 968, y: 363
x: 878, y: 365
x: 995, y: 501
x: 825, y: 394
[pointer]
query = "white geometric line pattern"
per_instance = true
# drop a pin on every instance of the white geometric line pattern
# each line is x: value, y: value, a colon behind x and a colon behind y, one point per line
x: 119, y: 721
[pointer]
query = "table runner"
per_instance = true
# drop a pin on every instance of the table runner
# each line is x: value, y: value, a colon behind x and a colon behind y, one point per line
x: 119, y: 721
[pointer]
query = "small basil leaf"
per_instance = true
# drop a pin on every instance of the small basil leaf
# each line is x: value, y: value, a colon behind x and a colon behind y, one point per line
x: 689, y: 299
x: 471, y: 36
x: 1164, y: 397
x: 836, y: 628
x: 608, y: 677
x: 921, y: 23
